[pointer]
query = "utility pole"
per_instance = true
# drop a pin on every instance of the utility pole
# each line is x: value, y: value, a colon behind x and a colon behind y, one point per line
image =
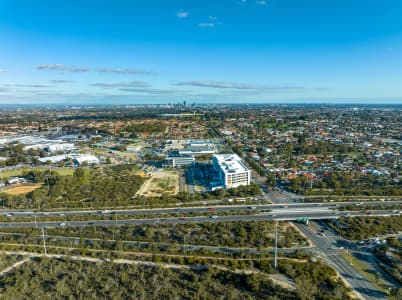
x: 1, y: 178
x: 276, y: 245
x: 49, y: 175
x: 115, y: 214
x: 44, y: 240
x: 1, y: 184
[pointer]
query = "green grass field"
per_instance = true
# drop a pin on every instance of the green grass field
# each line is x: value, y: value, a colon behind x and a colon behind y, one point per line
x: 9, y: 173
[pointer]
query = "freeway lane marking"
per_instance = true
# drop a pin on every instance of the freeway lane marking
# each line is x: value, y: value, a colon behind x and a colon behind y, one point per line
x: 312, y: 209
x: 286, y: 216
x: 259, y: 206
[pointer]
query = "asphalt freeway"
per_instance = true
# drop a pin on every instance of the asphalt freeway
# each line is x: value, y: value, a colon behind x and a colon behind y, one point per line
x: 279, y: 214
x: 331, y: 208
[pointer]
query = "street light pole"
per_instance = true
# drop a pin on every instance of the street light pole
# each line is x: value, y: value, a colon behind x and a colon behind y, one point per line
x: 44, y: 240
x: 1, y: 178
x: 114, y: 227
x: 276, y: 245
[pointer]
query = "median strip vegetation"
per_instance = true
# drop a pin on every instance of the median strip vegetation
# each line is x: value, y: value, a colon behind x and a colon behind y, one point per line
x: 359, y: 265
x: 258, y: 234
x: 359, y: 228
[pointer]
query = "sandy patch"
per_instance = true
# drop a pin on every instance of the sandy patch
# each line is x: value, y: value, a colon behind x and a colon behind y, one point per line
x: 162, y: 182
x: 21, y: 189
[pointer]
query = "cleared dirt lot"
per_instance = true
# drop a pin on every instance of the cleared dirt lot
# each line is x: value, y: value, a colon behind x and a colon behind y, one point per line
x: 21, y: 189
x: 162, y: 182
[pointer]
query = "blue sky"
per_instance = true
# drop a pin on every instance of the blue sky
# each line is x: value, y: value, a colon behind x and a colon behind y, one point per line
x: 237, y: 51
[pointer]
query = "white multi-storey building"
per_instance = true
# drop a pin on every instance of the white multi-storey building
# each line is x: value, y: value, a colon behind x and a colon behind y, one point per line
x: 179, y: 161
x: 232, y: 171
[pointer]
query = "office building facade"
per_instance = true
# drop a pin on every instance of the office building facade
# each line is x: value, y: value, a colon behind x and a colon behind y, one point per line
x: 232, y: 170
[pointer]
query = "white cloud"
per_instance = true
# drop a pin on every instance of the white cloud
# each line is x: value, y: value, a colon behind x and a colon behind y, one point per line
x: 124, y: 71
x: 3, y: 71
x: 61, y: 67
x: 235, y: 85
x: 182, y: 14
x: 212, y: 22
x: 131, y: 84
x: 60, y: 81
x: 65, y: 68
x: 257, y: 2
x: 206, y: 25
x: 28, y: 85
x: 151, y: 91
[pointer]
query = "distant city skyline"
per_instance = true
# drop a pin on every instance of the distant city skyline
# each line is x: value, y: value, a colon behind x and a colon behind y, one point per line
x: 227, y: 51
